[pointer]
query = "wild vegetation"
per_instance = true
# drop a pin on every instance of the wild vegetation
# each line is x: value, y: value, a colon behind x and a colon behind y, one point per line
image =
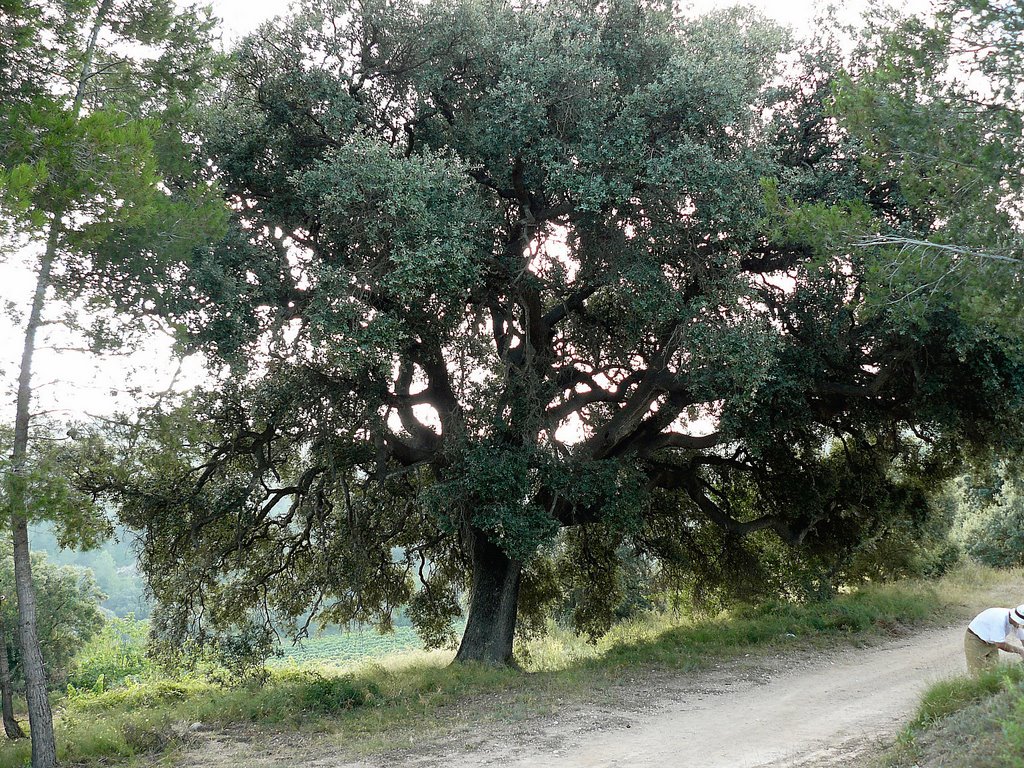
x: 146, y: 711
x: 966, y: 723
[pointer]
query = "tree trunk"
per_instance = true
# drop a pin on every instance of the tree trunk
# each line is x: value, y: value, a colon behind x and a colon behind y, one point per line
x: 11, y: 726
x: 493, y: 601
x: 40, y: 718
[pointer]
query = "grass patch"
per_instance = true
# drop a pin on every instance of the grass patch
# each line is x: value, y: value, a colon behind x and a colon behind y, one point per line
x: 676, y: 641
x: 366, y: 703
x: 949, y: 696
x: 966, y: 723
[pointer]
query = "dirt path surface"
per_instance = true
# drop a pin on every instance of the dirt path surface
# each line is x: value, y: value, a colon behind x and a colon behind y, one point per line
x: 809, y: 711
x: 827, y: 713
x: 806, y: 709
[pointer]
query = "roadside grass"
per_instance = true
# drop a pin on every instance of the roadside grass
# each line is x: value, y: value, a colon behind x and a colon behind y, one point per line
x: 966, y: 722
x: 675, y: 641
x: 949, y: 696
x: 369, y: 703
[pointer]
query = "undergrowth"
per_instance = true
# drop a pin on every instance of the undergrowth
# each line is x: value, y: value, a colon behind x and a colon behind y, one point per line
x: 149, y: 715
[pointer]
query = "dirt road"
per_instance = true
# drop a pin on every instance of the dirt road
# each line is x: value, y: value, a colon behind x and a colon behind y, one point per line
x: 806, y: 709
x: 826, y: 713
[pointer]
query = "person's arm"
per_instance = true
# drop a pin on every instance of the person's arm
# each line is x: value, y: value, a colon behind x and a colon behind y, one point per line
x: 1010, y: 648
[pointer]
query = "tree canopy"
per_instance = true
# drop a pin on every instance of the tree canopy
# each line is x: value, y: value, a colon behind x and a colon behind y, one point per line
x: 936, y: 100
x: 509, y: 287
x: 96, y: 98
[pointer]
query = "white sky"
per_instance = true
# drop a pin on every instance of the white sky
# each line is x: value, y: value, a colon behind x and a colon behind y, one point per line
x: 71, y: 384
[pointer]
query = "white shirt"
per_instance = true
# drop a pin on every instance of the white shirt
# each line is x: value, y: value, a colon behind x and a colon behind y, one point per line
x: 993, y: 626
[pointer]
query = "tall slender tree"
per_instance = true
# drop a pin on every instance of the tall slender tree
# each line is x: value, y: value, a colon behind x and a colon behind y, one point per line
x: 93, y: 175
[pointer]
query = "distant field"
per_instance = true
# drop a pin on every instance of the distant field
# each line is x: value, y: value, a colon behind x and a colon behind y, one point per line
x: 353, y: 646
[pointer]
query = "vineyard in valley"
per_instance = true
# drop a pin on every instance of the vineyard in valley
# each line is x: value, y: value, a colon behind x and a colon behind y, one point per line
x: 352, y: 646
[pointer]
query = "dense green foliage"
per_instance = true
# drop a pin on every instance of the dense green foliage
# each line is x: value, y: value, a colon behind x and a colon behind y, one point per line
x: 513, y: 289
x: 69, y: 615
x: 113, y: 657
x: 936, y: 99
x: 561, y: 306
x: 118, y: 654
x: 987, y: 505
x: 99, y: 164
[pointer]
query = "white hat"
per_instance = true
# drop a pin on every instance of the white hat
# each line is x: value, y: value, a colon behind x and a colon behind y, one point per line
x: 1017, y: 614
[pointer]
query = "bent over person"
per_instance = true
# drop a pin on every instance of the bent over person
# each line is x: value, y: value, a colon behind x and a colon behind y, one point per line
x: 987, y: 635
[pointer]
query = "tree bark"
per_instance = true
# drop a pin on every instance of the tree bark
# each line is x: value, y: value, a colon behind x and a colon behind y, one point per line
x: 493, y: 603
x: 40, y: 718
x: 11, y: 726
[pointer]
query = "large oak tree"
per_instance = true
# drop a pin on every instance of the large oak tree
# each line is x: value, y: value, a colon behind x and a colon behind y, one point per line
x: 511, y: 285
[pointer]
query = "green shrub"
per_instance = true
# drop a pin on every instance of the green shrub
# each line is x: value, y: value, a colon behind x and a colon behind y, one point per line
x: 117, y: 653
x: 134, y: 695
x: 241, y: 658
x: 993, y: 534
x: 329, y: 695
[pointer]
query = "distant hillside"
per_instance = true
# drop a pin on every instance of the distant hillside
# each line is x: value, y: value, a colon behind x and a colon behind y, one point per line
x: 113, y: 564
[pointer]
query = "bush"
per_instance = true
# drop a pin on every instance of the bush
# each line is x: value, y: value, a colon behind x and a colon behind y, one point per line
x: 241, y: 658
x: 117, y: 653
x: 329, y: 695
